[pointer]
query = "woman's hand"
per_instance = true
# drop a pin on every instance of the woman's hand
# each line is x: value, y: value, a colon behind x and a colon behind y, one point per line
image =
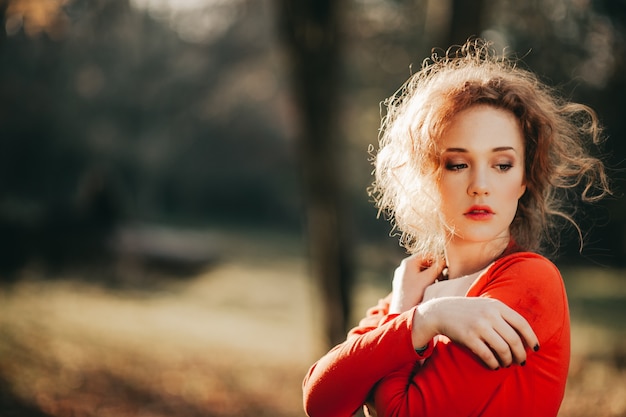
x: 410, y: 280
x: 493, y: 331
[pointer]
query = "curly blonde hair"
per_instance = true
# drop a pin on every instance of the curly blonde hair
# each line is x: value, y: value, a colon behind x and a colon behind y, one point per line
x: 556, y: 134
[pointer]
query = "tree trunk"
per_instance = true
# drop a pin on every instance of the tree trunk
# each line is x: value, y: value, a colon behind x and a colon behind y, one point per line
x: 465, y: 20
x: 310, y: 31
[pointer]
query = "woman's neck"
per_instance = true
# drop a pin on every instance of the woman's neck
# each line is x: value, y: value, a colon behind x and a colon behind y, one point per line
x: 466, y: 258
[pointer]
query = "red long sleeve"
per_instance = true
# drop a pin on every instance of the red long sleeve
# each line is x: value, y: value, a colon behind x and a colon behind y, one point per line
x: 380, y: 360
x: 339, y: 383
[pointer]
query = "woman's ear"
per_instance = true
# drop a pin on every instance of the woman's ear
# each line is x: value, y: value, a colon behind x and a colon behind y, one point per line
x: 522, y: 190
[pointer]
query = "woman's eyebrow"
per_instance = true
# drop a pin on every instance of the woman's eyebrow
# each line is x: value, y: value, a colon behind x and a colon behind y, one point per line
x: 498, y: 149
x: 504, y: 148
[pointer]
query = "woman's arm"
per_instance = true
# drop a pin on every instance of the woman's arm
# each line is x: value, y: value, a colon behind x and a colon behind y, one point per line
x: 489, y: 328
x: 454, y: 381
x: 341, y: 381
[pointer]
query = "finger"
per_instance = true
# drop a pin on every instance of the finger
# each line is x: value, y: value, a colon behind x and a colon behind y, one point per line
x: 514, y: 342
x: 433, y: 268
x: 484, y: 352
x: 499, y: 347
x: 439, y: 264
x: 410, y: 264
x: 513, y: 349
x: 425, y: 264
x: 522, y: 327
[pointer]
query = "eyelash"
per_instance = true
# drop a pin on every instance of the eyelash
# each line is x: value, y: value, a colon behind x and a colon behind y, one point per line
x: 457, y: 167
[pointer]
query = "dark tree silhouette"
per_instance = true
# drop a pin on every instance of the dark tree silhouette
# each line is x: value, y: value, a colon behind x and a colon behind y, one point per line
x: 465, y: 21
x: 310, y: 31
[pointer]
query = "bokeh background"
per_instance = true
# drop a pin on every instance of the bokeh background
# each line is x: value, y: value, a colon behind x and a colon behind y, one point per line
x: 184, y: 222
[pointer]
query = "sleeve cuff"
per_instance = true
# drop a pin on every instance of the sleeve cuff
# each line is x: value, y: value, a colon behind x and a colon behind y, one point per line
x: 422, y: 353
x: 426, y: 351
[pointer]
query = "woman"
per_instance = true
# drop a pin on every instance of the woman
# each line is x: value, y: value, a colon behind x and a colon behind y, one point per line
x: 476, y: 157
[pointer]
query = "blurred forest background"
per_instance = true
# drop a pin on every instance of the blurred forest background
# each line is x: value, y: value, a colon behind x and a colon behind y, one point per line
x: 167, y: 167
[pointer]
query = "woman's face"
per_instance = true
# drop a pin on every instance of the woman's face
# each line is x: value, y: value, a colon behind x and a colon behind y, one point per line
x: 482, y: 173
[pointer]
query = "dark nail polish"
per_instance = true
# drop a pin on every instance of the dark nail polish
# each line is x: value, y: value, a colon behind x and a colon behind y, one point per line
x: 536, y: 348
x: 523, y: 363
x: 497, y: 368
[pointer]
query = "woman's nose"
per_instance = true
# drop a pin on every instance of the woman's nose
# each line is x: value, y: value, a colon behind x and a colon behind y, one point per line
x: 478, y: 183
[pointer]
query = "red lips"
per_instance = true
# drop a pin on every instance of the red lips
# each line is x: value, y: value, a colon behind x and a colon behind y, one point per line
x: 479, y: 213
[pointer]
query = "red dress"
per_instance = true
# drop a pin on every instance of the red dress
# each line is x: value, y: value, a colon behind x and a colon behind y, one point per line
x: 377, y: 362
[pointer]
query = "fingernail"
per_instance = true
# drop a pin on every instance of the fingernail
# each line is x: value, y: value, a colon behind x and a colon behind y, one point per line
x: 497, y: 368
x: 523, y: 363
x: 536, y: 348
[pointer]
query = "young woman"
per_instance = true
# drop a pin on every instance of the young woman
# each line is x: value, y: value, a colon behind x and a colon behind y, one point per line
x: 476, y: 157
